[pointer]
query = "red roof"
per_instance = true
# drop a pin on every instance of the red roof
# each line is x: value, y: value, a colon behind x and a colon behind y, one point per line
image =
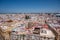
x: 45, y: 26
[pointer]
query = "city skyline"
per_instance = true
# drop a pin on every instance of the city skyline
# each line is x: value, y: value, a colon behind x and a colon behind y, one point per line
x: 29, y: 6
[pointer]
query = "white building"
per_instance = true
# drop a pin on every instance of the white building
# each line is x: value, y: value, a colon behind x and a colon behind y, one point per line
x: 46, y: 34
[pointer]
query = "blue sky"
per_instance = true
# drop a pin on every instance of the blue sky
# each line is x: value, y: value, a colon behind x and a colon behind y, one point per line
x: 28, y: 6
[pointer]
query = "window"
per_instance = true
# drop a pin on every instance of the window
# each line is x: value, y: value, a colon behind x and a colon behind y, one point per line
x: 36, y: 31
x: 43, y: 31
